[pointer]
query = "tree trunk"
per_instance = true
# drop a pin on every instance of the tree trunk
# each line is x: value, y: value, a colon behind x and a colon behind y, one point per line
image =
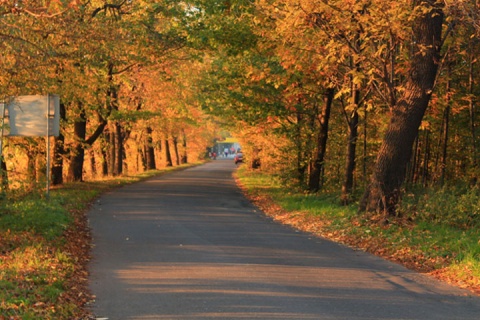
x: 446, y: 125
x: 150, y: 151
x: 350, y: 163
x: 412, y: 177
x: 185, y: 155
x: 347, y: 187
x: 75, y: 171
x: 168, y: 155
x: 426, y: 160
x: 4, y: 175
x: 472, y: 103
x: 111, y: 150
x: 104, y: 163
x: 317, y: 167
x: 383, y: 193
x: 59, y: 152
x: 119, y: 149
x: 175, y: 148
x: 301, y: 167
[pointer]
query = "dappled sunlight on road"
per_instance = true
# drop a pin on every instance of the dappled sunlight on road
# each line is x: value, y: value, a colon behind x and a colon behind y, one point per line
x: 190, y: 246
x: 259, y: 291
x: 245, y: 278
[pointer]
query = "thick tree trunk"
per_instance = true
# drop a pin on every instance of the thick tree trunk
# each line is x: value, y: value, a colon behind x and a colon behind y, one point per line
x: 317, y: 167
x: 383, y: 193
x: 75, y: 171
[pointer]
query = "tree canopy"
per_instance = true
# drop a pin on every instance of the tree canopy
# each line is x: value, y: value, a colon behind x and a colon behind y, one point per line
x: 361, y: 98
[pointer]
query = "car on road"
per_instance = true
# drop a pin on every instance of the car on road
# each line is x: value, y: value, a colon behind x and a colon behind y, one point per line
x: 238, y: 158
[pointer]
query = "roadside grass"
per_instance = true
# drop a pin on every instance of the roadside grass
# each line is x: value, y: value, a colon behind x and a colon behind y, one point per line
x: 439, y: 234
x: 44, y: 249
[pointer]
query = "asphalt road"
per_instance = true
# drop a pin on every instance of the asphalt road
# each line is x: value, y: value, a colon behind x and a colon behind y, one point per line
x: 188, y: 245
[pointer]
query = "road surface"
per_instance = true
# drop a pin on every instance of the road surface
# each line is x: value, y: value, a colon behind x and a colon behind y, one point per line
x: 188, y: 245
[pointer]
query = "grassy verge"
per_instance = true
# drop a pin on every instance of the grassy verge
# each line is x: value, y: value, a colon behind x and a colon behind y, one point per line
x: 44, y: 250
x: 447, y: 249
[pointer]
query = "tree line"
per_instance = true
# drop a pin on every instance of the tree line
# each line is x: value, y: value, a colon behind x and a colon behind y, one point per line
x: 364, y: 98
x: 115, y: 66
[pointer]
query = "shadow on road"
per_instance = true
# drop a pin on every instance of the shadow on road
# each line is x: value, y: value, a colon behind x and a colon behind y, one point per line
x: 188, y: 245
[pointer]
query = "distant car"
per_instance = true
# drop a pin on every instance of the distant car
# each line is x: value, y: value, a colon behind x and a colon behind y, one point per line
x: 238, y: 158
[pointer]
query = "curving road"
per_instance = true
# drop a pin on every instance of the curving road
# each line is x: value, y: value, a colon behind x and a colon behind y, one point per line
x: 188, y: 245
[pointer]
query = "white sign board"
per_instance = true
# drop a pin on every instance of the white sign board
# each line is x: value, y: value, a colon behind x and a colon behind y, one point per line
x: 32, y: 116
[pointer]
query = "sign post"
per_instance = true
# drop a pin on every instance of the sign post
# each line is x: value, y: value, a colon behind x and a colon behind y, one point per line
x: 33, y: 116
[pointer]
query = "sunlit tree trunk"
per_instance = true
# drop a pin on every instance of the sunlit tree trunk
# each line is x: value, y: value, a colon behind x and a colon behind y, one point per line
x: 383, y: 193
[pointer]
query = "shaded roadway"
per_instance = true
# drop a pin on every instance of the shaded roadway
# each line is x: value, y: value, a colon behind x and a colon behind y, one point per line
x: 188, y: 245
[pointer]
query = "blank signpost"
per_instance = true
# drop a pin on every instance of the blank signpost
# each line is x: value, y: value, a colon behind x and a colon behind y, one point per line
x: 32, y: 116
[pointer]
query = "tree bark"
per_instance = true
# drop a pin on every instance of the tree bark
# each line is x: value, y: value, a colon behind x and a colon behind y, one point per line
x: 75, y: 171
x: 317, y: 167
x: 184, y: 144
x: 111, y: 150
x: 383, y: 193
x: 347, y: 186
x: 4, y: 175
x: 59, y: 152
x: 119, y: 149
x: 175, y: 148
x: 150, y: 151
x: 168, y: 155
x: 445, y: 129
x: 472, y: 107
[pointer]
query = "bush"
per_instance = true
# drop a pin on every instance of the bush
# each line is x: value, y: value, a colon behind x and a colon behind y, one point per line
x: 455, y: 206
